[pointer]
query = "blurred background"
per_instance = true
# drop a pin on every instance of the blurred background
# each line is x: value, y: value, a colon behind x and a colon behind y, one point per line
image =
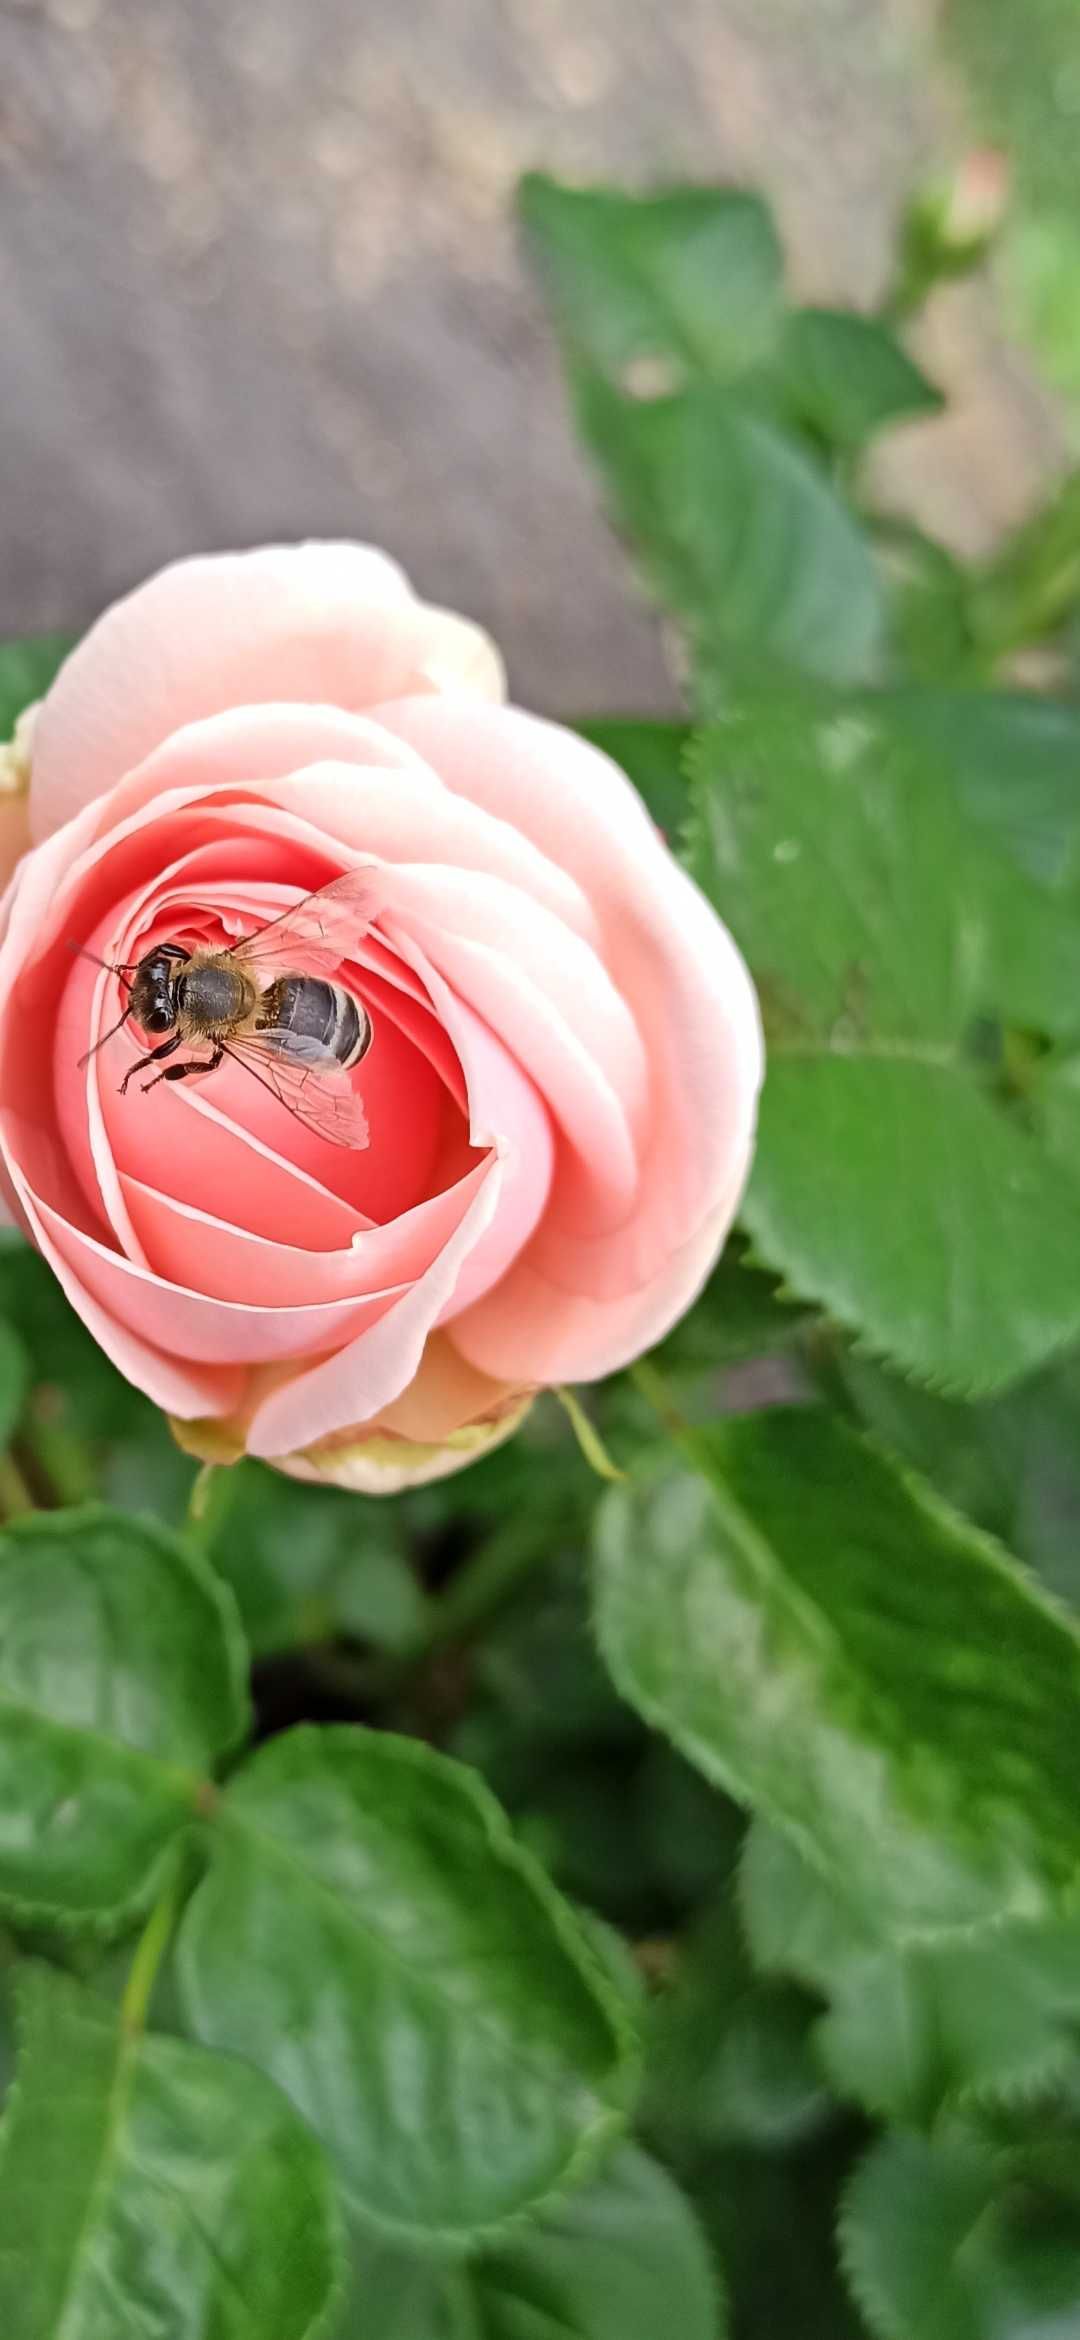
x: 259, y: 275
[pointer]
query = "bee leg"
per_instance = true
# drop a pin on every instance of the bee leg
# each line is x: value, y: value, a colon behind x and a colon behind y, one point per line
x: 141, y: 1062
x: 182, y: 1072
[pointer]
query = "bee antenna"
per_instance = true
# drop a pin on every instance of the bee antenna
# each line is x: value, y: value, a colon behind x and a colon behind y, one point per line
x: 124, y: 969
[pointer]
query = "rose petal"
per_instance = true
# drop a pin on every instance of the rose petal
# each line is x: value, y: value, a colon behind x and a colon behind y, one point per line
x: 331, y: 623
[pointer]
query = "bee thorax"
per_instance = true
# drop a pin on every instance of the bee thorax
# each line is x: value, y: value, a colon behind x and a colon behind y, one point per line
x: 213, y: 996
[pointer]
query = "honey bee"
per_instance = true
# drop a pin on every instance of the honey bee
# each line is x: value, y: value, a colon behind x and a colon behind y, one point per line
x: 269, y: 1002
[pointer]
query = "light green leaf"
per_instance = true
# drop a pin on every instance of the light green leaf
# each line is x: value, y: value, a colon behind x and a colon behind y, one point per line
x: 845, y: 377
x: 831, y: 1645
x: 122, y: 1682
x: 431, y: 2005
x: 653, y: 756
x: 794, y: 1920
x: 1032, y: 586
x: 147, y: 2187
x: 26, y: 670
x: 899, y: 1179
x: 937, y: 2245
x: 910, y: 2029
x: 621, y: 2260
x: 739, y: 531
x: 691, y: 276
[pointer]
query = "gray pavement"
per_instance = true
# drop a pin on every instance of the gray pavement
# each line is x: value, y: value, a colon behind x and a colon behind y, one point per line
x: 259, y: 277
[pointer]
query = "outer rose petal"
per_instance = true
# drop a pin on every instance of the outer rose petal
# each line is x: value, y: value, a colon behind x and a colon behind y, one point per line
x: 336, y: 623
x: 578, y: 1304
x: 449, y: 1416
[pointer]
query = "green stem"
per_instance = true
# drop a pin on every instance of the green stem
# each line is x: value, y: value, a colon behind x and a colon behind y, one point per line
x: 150, y: 1949
x: 588, y: 1436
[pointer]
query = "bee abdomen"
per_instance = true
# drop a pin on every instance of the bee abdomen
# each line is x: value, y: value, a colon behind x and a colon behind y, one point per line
x: 321, y: 1011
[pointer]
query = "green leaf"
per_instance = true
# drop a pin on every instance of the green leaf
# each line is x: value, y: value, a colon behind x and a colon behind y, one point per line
x: 653, y: 756
x: 743, y: 1313
x: 431, y: 2005
x: 728, y: 2054
x: 794, y: 1920
x: 740, y: 533
x: 1032, y: 586
x: 928, y: 595
x: 691, y: 276
x: 26, y: 670
x: 911, y: 2029
x: 620, y: 2260
x: 936, y: 2245
x: 1012, y: 1463
x: 1011, y: 758
x: 77, y: 1388
x: 908, y: 2031
x: 306, y: 1563
x: 831, y: 1645
x: 899, y: 1179
x: 845, y: 377
x: 147, y: 2187
x: 122, y: 1682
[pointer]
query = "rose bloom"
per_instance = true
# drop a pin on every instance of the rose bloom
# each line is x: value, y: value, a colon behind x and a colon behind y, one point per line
x: 561, y: 1086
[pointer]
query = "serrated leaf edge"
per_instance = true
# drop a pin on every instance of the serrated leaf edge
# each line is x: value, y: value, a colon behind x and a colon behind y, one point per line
x: 926, y: 1497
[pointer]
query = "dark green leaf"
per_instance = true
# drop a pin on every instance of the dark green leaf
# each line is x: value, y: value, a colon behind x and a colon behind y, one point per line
x: 928, y: 593
x: 846, y: 377
x: 77, y: 1391
x: 621, y: 2260
x: 729, y: 2060
x: 14, y: 1379
x: 1012, y: 1463
x: 1012, y: 759
x: 938, y: 2246
x: 772, y: 2216
x: 899, y: 1180
x: 121, y: 1683
x: 743, y: 1313
x: 26, y: 670
x: 691, y: 277
x: 740, y: 532
x: 307, y: 1563
x: 653, y: 756
x: 830, y: 1644
x: 431, y: 2004
x: 149, y: 2188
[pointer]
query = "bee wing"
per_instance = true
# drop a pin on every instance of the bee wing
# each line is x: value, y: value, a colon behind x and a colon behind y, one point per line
x: 307, y: 1080
x: 316, y: 934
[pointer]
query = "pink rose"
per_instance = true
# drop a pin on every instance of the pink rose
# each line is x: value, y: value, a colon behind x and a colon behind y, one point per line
x: 561, y: 1086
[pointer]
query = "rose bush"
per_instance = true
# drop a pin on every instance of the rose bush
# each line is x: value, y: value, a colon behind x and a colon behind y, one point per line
x: 562, y: 1084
